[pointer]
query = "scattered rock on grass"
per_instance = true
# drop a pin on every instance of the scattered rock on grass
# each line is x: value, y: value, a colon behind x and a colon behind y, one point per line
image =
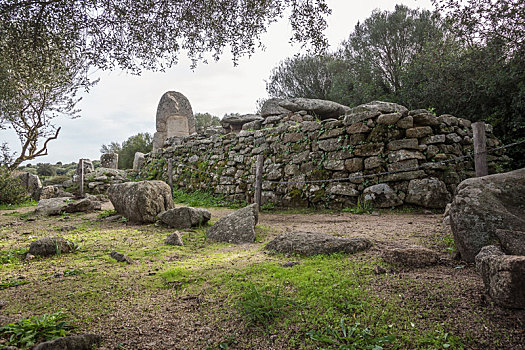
x: 411, y: 257
x: 56, y: 206
x: 482, y: 205
x: 174, y: 239
x: 50, y: 246
x: 312, y: 243
x: 141, y: 201
x: 121, y: 257
x: 185, y: 217
x: 237, y: 228
x: 503, y: 276
x: 74, y: 342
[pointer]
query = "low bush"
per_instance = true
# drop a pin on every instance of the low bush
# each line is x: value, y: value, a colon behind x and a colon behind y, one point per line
x: 11, y: 189
x: 27, y: 332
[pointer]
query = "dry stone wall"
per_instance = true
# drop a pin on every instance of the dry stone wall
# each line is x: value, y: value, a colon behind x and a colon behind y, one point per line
x: 381, y: 152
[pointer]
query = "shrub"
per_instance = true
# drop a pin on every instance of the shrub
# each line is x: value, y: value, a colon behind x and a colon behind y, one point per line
x: 27, y: 332
x: 11, y: 189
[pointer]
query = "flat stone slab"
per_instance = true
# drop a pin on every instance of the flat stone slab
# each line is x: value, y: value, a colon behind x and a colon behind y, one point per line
x: 237, y: 228
x: 411, y: 257
x: 312, y: 243
x: 74, y: 342
x: 185, y: 217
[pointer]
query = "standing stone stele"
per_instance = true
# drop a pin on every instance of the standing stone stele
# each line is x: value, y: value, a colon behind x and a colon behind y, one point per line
x: 109, y: 160
x: 138, y: 161
x: 174, y: 118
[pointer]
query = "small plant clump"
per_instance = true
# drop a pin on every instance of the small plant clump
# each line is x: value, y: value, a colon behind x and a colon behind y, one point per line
x: 362, y: 207
x: 9, y: 284
x: 261, y: 307
x: 350, y: 338
x: 29, y: 331
x: 11, y: 189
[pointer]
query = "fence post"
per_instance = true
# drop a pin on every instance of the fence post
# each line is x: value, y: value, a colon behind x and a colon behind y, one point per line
x: 480, y: 149
x: 82, y: 177
x: 170, y: 174
x: 258, y: 179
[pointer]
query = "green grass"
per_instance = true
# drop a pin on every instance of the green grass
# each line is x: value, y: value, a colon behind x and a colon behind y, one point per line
x: 30, y: 203
x: 11, y: 256
x: 204, y: 199
x: 15, y: 283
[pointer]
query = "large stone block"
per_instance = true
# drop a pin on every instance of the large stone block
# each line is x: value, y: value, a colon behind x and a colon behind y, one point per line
x: 484, y: 204
x: 141, y: 201
x: 174, y: 118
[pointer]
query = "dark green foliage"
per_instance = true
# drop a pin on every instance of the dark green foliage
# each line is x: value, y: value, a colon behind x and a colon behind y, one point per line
x: 45, y: 169
x: 302, y: 76
x: 27, y: 332
x: 204, y: 120
x: 11, y: 189
x: 142, y: 142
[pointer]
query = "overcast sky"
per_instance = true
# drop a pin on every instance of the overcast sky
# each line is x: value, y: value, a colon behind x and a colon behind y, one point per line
x: 122, y: 105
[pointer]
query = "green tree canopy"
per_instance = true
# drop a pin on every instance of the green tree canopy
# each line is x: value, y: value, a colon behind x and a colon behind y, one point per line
x: 142, y: 142
x: 204, y: 120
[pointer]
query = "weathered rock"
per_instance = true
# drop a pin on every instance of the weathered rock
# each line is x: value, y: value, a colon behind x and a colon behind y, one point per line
x: 429, y: 193
x: 88, y: 166
x: 343, y: 189
x: 512, y: 242
x: 312, y: 243
x: 403, y: 144
x: 503, y: 276
x: 174, y: 239
x: 174, y: 118
x: 234, y: 123
x: 482, y: 205
x: 185, y: 217
x: 381, y: 196
x: 53, y: 192
x: 52, y: 206
x: 121, y: 257
x: 411, y: 256
x: 380, y: 106
x: 141, y: 201
x: 83, y: 205
x: 109, y: 160
x: 237, y: 227
x: 425, y: 119
x: 50, y: 246
x: 31, y: 183
x: 388, y: 119
x: 321, y: 108
x: 404, y: 154
x: 271, y: 107
x: 418, y: 132
x: 74, y: 342
x: 138, y: 161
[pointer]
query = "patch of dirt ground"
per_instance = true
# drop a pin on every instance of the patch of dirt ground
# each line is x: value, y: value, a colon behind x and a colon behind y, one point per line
x: 127, y: 307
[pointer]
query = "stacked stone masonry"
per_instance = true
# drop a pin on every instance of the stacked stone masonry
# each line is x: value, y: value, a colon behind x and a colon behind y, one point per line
x: 298, y: 146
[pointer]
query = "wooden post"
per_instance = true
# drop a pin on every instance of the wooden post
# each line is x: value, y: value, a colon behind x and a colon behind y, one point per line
x: 82, y: 177
x: 170, y: 174
x: 258, y: 179
x: 480, y: 149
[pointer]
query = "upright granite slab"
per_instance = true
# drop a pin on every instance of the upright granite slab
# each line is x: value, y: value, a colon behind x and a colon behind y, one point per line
x: 174, y: 118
